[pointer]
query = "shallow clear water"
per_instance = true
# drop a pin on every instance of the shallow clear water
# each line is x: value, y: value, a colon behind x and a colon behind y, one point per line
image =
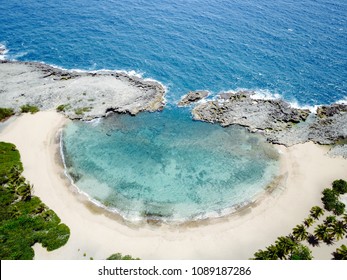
x: 163, y: 165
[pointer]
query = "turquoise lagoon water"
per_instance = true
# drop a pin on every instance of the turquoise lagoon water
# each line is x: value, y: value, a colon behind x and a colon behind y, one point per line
x: 164, y: 163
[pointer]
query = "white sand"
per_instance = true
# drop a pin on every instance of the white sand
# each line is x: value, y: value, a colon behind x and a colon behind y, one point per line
x: 237, y: 236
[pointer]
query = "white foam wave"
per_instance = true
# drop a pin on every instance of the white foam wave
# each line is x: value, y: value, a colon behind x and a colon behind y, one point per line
x: 342, y: 101
x: 264, y: 94
x: 257, y: 93
x: 16, y: 56
x: 94, y: 122
x: 130, y: 73
x: 3, y: 52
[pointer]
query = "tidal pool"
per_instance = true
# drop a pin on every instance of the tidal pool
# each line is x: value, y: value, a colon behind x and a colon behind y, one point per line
x: 165, y: 166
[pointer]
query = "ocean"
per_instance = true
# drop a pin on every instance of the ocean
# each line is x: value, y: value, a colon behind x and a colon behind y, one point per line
x: 292, y: 49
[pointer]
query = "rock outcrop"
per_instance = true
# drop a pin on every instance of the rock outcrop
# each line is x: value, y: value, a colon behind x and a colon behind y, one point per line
x: 192, y: 96
x: 79, y: 95
x: 276, y: 119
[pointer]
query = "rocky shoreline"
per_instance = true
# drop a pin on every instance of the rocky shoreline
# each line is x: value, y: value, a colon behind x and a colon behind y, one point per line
x: 277, y: 120
x: 77, y: 94
x: 89, y: 95
x: 192, y: 97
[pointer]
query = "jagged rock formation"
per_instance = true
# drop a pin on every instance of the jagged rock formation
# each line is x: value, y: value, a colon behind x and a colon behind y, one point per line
x: 192, y: 96
x: 276, y: 119
x: 79, y: 95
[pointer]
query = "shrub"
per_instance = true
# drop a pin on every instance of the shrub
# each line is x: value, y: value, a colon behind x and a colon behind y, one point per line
x: 29, y: 109
x: 301, y: 252
x: 329, y: 199
x: 119, y: 256
x: 340, y: 186
x: 63, y: 107
x: 24, y: 219
x: 6, y: 113
x: 81, y: 111
x: 339, y: 208
x: 10, y: 161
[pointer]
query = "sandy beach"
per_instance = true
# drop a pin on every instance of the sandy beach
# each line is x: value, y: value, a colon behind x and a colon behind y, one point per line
x: 94, y: 233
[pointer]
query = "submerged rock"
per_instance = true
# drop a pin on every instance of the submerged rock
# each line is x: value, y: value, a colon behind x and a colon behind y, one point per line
x: 77, y: 94
x: 276, y: 119
x: 192, y: 96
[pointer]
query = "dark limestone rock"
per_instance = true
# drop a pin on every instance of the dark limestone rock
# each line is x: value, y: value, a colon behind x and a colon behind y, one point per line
x: 331, y: 110
x: 192, y: 96
x: 276, y: 119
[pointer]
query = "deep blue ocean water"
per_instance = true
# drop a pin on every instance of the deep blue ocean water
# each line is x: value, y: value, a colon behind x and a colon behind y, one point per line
x: 296, y: 49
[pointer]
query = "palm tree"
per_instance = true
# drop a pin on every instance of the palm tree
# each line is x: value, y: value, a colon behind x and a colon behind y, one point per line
x: 339, y: 230
x: 340, y: 253
x: 322, y: 232
x: 24, y: 190
x: 284, y: 245
x: 330, y: 220
x: 262, y: 255
x: 301, y: 252
x: 308, y: 222
x: 313, y: 240
x: 316, y: 212
x: 300, y: 233
x: 344, y: 218
x: 272, y: 251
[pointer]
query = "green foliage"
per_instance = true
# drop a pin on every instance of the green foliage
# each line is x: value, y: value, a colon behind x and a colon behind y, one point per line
x: 340, y: 253
x: 339, y: 230
x: 119, y: 256
x: 323, y: 233
x: 301, y: 252
x: 264, y: 255
x: 333, y: 228
x: 340, y: 186
x: 339, y: 208
x: 308, y: 222
x: 329, y: 199
x: 29, y: 109
x: 24, y: 219
x: 81, y: 111
x: 300, y: 233
x: 10, y: 162
x: 283, y: 249
x: 63, y: 107
x: 284, y: 245
x: 6, y: 113
x: 316, y: 212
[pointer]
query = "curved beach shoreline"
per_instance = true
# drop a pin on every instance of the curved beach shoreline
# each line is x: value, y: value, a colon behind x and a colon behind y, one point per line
x: 98, y: 234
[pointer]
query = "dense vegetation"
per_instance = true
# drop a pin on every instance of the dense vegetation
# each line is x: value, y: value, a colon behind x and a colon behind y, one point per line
x: 119, y: 256
x: 5, y: 113
x: 24, y: 219
x: 331, y: 228
x: 29, y: 109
